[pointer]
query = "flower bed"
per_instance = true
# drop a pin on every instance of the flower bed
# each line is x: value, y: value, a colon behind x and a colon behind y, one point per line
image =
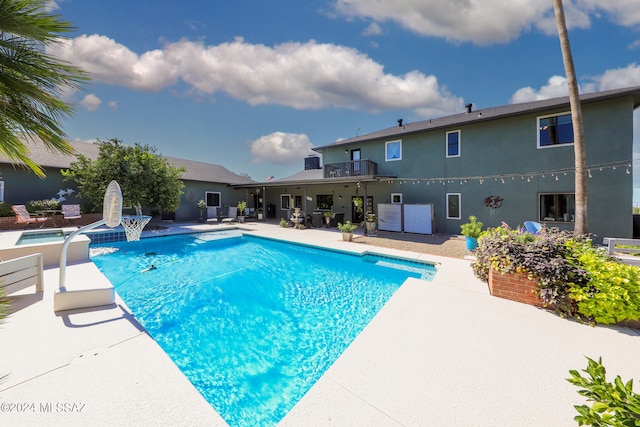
x: 573, y: 277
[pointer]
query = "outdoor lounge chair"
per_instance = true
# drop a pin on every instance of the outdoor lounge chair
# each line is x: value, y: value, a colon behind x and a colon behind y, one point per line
x: 24, y: 217
x: 71, y: 212
x: 532, y: 227
x: 232, y: 215
x: 212, y: 214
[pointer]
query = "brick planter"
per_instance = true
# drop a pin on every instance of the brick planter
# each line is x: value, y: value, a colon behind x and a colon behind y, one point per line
x: 516, y: 287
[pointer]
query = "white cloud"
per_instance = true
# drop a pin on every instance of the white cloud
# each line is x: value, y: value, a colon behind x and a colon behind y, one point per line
x: 113, y: 105
x: 111, y: 62
x: 620, y: 77
x: 91, y: 102
x: 486, y: 21
x: 482, y: 22
x: 557, y: 85
x: 299, y: 75
x: 373, y: 30
x: 281, y: 148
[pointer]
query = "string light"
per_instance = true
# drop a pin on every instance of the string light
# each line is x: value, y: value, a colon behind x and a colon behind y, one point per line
x: 555, y: 173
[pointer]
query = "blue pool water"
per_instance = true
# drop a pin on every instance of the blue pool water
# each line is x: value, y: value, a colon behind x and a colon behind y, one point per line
x: 252, y: 323
x: 41, y: 237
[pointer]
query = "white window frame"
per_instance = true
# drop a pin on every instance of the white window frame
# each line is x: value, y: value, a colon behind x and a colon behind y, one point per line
x: 387, y: 158
x: 446, y: 143
x: 1, y: 191
x: 459, y: 195
x: 207, y: 199
x: 396, y: 198
x: 564, y: 144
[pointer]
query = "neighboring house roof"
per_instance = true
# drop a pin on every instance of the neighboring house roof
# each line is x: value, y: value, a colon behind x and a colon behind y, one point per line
x: 196, y: 171
x: 485, y: 114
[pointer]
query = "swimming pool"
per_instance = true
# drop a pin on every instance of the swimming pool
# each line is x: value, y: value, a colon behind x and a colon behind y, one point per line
x: 252, y: 323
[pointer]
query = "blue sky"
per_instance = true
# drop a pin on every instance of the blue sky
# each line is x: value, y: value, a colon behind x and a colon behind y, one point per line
x: 253, y: 85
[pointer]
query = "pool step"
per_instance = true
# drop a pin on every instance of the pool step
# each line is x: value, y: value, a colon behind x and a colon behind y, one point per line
x: 85, y: 287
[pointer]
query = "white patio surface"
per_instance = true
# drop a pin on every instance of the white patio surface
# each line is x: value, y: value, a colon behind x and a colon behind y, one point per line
x: 443, y: 353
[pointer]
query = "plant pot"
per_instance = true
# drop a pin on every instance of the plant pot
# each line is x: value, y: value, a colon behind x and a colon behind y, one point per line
x: 472, y: 242
x: 371, y: 227
x: 240, y: 218
x: 260, y: 216
x: 347, y: 237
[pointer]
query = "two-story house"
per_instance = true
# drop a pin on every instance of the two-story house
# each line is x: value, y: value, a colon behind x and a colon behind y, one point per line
x: 512, y: 163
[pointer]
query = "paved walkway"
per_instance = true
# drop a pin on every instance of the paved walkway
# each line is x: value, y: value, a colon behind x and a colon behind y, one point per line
x: 443, y: 353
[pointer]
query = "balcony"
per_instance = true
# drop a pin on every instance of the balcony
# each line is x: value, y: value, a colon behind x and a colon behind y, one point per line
x: 351, y: 168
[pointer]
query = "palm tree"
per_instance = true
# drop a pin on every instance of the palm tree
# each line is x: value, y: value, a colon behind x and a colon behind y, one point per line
x: 31, y: 81
x: 581, y: 225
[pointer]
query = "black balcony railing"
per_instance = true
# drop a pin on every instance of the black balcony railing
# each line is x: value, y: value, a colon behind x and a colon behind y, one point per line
x: 351, y: 168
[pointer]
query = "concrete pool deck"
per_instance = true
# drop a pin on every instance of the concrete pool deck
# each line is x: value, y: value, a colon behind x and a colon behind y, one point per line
x: 441, y: 353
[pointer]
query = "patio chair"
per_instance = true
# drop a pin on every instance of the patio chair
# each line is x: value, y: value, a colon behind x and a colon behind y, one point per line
x: 212, y: 214
x: 24, y: 217
x: 232, y: 215
x: 317, y: 219
x: 71, y: 212
x: 532, y: 227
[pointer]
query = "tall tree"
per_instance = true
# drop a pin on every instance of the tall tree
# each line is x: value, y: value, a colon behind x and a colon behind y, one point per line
x: 581, y: 224
x: 146, y: 178
x: 31, y: 81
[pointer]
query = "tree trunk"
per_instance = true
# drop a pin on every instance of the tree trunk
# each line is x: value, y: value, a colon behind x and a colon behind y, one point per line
x: 581, y: 224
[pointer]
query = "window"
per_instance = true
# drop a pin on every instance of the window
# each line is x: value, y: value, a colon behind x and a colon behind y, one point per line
x: 555, y: 130
x: 325, y: 201
x: 285, y: 202
x: 453, y: 143
x: 212, y: 198
x: 297, y: 202
x: 393, y: 150
x: 453, y: 205
x: 396, y: 198
x: 557, y: 207
x: 1, y: 191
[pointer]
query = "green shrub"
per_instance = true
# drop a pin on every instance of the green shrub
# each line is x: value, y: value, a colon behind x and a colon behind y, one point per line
x: 4, y: 305
x: 284, y: 223
x: 347, y: 227
x: 5, y: 209
x: 613, y: 291
x: 615, y: 404
x: 46, y: 204
x: 473, y: 228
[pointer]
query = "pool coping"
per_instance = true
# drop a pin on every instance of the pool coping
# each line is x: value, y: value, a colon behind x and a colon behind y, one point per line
x: 441, y: 352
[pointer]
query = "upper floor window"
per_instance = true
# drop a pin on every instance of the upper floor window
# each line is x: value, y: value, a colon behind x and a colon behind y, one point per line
x: 555, y: 130
x: 393, y: 150
x: 453, y: 143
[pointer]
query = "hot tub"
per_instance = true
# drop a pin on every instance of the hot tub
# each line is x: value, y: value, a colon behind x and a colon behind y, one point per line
x: 47, y: 242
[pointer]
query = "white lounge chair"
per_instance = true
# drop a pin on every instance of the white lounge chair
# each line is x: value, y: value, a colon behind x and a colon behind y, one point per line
x: 212, y: 214
x: 232, y: 216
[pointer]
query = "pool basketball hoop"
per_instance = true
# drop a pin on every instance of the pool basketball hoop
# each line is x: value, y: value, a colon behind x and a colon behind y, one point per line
x: 133, y: 226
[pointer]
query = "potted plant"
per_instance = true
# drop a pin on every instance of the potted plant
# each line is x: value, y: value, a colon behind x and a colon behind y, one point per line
x: 347, y: 230
x: 202, y: 206
x: 327, y: 217
x: 260, y: 214
x: 370, y: 224
x: 242, y: 205
x: 471, y: 231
